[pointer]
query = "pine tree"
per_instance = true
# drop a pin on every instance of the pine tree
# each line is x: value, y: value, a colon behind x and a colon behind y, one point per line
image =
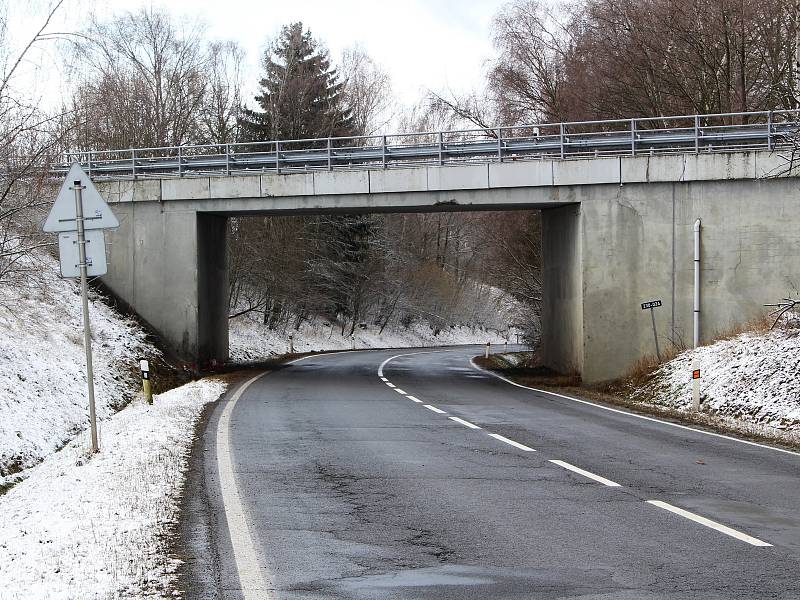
x: 301, y: 95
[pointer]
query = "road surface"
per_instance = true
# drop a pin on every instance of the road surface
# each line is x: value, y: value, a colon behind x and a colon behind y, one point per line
x: 411, y: 475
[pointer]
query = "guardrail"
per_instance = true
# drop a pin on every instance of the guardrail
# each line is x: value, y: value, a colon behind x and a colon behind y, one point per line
x: 727, y: 132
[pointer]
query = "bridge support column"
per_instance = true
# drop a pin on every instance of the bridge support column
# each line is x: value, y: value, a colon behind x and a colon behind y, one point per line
x: 171, y: 267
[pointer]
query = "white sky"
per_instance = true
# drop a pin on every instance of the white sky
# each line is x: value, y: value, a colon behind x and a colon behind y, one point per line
x: 424, y: 44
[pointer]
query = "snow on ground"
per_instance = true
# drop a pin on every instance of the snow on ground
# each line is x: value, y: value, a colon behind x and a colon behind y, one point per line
x: 752, y: 377
x: 82, y: 526
x: 43, y: 397
x: 251, y: 340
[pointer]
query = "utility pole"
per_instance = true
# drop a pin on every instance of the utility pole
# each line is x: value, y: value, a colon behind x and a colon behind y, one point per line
x: 87, y: 329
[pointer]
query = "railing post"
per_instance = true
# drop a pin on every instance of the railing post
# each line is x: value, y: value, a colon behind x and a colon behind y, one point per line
x: 499, y: 144
x: 227, y: 159
x: 769, y: 130
x: 697, y: 134
x: 180, y: 162
x: 441, y: 149
x: 561, y: 137
x: 89, y: 170
x: 330, y: 156
x: 277, y: 157
x: 383, y: 152
x: 133, y: 162
x: 633, y: 137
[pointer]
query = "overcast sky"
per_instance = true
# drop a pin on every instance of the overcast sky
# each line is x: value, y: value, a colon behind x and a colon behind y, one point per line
x: 424, y: 44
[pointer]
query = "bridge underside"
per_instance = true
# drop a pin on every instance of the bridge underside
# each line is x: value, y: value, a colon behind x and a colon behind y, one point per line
x: 608, y: 247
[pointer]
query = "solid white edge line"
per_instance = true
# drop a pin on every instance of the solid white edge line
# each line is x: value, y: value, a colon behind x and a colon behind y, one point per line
x: 585, y: 473
x: 434, y: 409
x: 630, y: 414
x: 709, y: 523
x: 503, y: 438
x: 463, y: 422
x: 414, y: 398
x: 399, y: 391
x: 251, y: 580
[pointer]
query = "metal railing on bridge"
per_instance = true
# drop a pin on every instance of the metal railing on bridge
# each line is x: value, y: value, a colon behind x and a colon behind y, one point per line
x: 586, y: 139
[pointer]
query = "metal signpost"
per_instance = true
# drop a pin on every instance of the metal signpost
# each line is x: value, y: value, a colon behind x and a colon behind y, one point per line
x: 651, y: 305
x: 79, y: 219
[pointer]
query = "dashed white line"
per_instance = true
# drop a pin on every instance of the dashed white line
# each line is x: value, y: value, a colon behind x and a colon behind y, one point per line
x: 463, y: 422
x: 633, y: 415
x: 585, y: 473
x: 709, y: 523
x: 399, y: 391
x: 497, y: 436
x: 434, y: 409
x: 391, y: 385
x: 384, y: 380
x: 414, y: 398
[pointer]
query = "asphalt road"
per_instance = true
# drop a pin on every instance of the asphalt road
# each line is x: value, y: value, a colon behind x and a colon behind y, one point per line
x: 322, y: 481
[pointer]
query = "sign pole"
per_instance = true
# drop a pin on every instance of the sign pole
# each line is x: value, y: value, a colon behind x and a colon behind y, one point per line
x: 655, y: 332
x: 87, y: 331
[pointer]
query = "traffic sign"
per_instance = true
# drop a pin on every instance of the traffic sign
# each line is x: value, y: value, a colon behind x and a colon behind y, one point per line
x: 69, y: 254
x: 651, y: 304
x: 96, y: 213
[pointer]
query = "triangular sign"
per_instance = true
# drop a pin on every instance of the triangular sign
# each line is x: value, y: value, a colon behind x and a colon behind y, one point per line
x: 96, y: 213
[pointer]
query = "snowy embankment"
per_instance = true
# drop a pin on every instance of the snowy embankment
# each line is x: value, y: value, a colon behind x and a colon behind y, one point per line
x: 752, y: 377
x: 43, y: 401
x: 82, y: 526
x: 251, y: 340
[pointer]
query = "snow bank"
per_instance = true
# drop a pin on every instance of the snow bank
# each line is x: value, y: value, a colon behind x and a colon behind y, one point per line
x: 84, y: 526
x: 752, y: 377
x: 43, y: 399
x: 251, y: 340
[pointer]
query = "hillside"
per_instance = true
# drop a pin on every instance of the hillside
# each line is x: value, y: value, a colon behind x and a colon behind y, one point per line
x: 43, y: 397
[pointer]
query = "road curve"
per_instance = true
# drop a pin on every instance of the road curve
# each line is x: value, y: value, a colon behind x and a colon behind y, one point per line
x: 436, y: 480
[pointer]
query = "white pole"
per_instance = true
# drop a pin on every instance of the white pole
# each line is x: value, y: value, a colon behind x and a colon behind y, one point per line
x: 488, y: 345
x: 696, y: 323
x: 696, y: 327
x: 353, y: 342
x: 87, y: 331
x: 291, y: 344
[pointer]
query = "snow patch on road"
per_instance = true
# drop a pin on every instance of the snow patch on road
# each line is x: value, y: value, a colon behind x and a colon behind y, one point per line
x: 751, y: 377
x: 84, y: 526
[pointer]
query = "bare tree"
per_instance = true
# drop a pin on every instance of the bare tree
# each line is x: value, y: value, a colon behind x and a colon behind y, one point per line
x: 367, y: 91
x: 145, y: 81
x: 222, y: 102
x: 29, y: 142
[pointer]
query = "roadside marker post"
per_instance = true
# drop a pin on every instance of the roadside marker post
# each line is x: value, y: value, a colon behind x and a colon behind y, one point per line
x: 650, y: 306
x: 291, y: 344
x: 488, y: 347
x: 695, y: 385
x: 147, y: 389
x: 352, y: 342
x: 79, y: 214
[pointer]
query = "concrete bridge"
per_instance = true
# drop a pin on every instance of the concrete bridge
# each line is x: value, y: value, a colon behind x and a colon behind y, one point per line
x: 617, y: 231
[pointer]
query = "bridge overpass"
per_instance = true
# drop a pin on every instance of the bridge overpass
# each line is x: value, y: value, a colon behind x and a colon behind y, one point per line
x: 619, y: 201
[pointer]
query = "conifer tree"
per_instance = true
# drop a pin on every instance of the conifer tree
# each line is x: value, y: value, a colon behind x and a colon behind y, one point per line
x: 301, y: 95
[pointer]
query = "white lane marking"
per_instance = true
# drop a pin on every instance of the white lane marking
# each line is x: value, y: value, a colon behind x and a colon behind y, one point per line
x: 463, y: 422
x: 709, y: 523
x: 384, y: 380
x: 391, y: 358
x: 588, y: 474
x: 399, y: 391
x: 414, y: 398
x: 251, y: 579
x: 630, y: 414
x: 434, y: 409
x: 391, y: 385
x: 502, y: 438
